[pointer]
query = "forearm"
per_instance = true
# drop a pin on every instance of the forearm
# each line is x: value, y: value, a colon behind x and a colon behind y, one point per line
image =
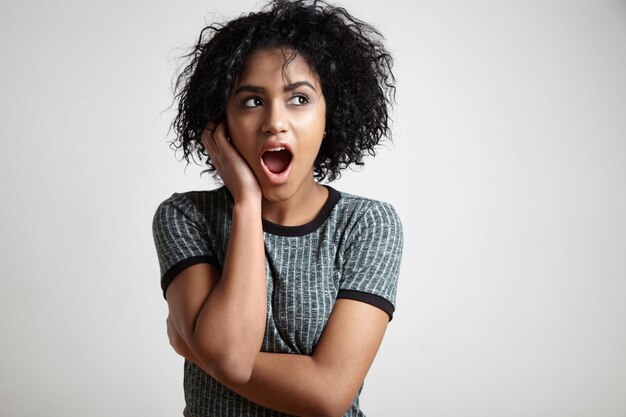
x: 289, y: 383
x: 324, y: 384
x: 230, y: 325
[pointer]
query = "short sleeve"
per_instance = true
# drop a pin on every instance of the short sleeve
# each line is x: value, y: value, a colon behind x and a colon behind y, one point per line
x: 180, y: 236
x: 371, y: 262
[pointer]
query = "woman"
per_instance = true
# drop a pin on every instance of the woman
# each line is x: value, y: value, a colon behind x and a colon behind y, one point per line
x: 279, y: 288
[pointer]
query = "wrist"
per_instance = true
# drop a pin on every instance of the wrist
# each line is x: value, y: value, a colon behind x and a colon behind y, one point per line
x: 246, y: 196
x: 250, y: 205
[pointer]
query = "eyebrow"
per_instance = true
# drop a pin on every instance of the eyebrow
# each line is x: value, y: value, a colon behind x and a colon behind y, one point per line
x: 286, y: 87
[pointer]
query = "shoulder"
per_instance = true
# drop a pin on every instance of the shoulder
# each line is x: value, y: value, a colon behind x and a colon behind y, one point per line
x: 358, y: 211
x: 194, y: 203
x: 192, y: 209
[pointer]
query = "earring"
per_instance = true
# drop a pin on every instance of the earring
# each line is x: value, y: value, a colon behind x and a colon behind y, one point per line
x: 324, y: 134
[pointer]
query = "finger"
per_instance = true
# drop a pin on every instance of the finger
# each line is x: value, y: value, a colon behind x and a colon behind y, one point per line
x: 220, y: 136
x: 208, y: 141
x: 211, y: 125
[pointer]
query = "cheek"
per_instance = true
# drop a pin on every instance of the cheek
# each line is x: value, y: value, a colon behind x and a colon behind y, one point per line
x: 232, y: 124
x: 245, y: 145
x: 242, y: 125
x: 238, y: 131
x: 312, y: 122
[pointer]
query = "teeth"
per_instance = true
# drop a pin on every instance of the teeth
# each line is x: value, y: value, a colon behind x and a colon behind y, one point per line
x: 276, y: 149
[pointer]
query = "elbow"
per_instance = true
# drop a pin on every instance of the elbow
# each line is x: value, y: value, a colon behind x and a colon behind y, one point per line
x: 334, y: 404
x: 332, y: 410
x: 231, y: 371
x: 229, y: 366
x: 335, y: 394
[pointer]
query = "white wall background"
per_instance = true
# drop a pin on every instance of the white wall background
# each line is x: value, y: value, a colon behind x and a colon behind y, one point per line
x: 508, y: 171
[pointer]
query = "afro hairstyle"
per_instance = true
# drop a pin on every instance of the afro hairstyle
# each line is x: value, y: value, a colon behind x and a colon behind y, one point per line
x: 347, y: 55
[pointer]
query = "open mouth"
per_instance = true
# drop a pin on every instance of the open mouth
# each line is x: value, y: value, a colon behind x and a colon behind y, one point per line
x: 277, y: 162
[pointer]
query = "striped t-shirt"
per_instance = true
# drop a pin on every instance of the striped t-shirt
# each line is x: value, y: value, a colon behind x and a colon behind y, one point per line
x: 352, y: 249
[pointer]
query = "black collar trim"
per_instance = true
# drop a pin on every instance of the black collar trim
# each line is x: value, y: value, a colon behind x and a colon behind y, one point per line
x: 313, y: 225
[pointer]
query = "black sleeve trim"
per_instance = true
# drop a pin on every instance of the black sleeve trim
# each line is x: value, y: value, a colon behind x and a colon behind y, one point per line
x: 184, y: 264
x: 369, y: 298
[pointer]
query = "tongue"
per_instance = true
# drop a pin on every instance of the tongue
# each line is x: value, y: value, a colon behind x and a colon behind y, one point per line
x: 277, y: 161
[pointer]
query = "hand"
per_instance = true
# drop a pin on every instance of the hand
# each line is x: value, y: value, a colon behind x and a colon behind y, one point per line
x: 230, y: 165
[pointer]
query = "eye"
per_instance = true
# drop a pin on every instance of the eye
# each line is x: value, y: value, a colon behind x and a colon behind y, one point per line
x: 252, y: 102
x: 298, y: 100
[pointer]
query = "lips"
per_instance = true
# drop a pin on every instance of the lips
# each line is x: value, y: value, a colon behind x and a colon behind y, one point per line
x: 276, y: 160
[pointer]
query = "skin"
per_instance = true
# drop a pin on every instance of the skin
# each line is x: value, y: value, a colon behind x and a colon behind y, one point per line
x: 217, y: 318
x: 262, y: 110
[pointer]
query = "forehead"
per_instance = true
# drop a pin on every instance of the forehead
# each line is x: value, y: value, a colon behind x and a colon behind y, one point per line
x: 276, y: 67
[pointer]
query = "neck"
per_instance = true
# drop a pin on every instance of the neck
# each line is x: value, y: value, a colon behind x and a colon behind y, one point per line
x: 299, y: 209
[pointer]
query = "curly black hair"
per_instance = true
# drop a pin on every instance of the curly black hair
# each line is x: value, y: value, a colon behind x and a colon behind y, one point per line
x: 347, y: 55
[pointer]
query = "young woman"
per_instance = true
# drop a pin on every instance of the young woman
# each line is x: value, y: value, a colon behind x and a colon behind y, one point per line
x: 280, y: 288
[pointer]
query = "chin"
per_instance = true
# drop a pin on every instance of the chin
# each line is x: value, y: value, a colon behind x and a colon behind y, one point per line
x: 277, y: 193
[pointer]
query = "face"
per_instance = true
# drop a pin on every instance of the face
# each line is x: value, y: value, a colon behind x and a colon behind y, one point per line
x: 276, y: 117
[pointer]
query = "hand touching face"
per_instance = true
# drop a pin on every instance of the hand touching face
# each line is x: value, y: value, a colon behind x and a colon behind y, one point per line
x: 232, y: 168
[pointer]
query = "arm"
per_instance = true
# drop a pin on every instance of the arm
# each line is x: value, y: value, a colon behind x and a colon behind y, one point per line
x: 221, y: 316
x: 325, y: 383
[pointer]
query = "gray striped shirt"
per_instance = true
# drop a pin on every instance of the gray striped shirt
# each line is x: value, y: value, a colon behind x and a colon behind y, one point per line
x: 352, y: 249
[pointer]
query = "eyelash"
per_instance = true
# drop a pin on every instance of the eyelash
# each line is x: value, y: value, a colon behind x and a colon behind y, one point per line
x: 302, y: 96
x: 247, y: 99
x: 258, y: 101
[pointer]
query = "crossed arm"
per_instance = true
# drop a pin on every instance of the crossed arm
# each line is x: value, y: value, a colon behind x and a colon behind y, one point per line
x: 323, y: 384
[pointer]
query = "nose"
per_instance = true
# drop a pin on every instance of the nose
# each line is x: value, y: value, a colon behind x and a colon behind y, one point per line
x: 275, y: 118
